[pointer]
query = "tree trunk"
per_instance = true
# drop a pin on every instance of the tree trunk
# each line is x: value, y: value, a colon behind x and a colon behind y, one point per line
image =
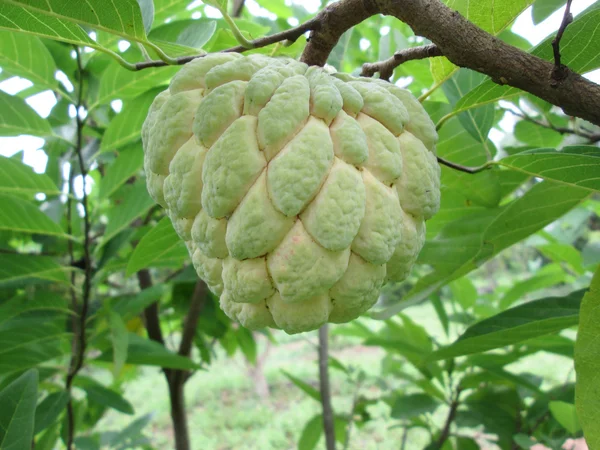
x: 179, y: 416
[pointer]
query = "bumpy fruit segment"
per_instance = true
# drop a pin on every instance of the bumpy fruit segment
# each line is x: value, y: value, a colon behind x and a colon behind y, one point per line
x: 298, y: 193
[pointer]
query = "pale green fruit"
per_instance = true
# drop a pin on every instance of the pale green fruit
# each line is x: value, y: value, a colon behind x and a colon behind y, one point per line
x: 298, y: 193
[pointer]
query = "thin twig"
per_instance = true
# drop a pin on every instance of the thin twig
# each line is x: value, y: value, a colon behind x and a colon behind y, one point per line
x: 288, y: 35
x: 328, y: 420
x: 387, y: 66
x: 352, y: 412
x: 80, y: 338
x: 462, y: 168
x: 449, y: 419
x: 592, y: 137
x: 559, y: 73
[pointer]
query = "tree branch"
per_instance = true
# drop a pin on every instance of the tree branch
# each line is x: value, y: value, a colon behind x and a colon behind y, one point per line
x: 449, y: 419
x: 79, y: 333
x: 386, y: 67
x: 328, y: 420
x: 462, y: 168
x: 465, y: 45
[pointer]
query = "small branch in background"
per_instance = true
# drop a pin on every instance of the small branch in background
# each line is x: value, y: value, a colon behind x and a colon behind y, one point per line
x: 386, y: 67
x: 328, y: 419
x: 592, y: 137
x: 462, y: 168
x: 355, y: 401
x: 79, y: 332
x: 238, y: 7
x: 288, y: 35
x: 449, y: 419
x: 559, y: 73
x: 191, y: 320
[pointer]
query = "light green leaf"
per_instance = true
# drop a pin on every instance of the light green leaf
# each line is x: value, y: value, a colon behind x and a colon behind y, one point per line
x: 49, y: 409
x: 305, y: 387
x: 159, y: 241
x: 135, y: 202
x: 122, y: 18
x: 311, y: 434
x: 147, y: 11
x: 527, y: 321
x: 574, y: 166
x: 16, y: 18
x: 19, y: 178
x: 464, y: 292
x: 120, y: 340
x: 17, y: 414
x: 565, y: 414
x: 587, y: 364
x: 127, y: 125
x: 26, y: 56
x: 21, y: 268
x: 547, y: 276
x: 221, y: 5
x: 97, y: 393
x: 24, y: 217
x: 142, y: 351
x: 129, y: 161
x: 17, y: 117
x: 190, y: 33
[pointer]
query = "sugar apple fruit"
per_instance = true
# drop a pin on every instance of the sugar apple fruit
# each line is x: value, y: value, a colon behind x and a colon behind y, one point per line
x: 298, y: 193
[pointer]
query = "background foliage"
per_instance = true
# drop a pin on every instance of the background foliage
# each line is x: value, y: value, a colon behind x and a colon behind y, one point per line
x: 475, y: 350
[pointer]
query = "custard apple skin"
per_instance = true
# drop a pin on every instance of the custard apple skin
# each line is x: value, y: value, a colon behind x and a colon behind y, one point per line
x: 298, y: 193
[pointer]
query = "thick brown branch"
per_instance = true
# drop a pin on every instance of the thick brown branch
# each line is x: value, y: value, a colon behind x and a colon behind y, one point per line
x: 464, y: 44
x: 288, y: 35
x: 386, y: 67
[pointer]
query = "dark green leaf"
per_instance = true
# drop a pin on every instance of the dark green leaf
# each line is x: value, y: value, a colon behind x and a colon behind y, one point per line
x: 17, y: 117
x: 408, y: 406
x: 49, y: 410
x: 515, y: 325
x: 307, y: 388
x: 542, y: 9
x: 587, y: 364
x: 102, y: 395
x: 17, y: 178
x: 17, y: 414
x: 24, y: 217
x: 17, y: 268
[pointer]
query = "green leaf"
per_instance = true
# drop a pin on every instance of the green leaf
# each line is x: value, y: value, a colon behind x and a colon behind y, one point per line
x: 49, y: 410
x: 160, y: 240
x: 118, y: 82
x: 102, y: 395
x: 19, y: 178
x: 24, y: 217
x: 247, y: 344
x: 406, y: 407
x: 478, y: 122
x: 221, y: 5
x: 26, y: 56
x: 131, y: 431
x: 464, y: 292
x: 16, y: 18
x: 574, y: 166
x: 120, y: 340
x: 17, y: 117
x: 17, y: 414
x: 565, y: 414
x: 305, y: 387
x: 464, y: 244
x: 542, y: 9
x: 142, y: 351
x: 147, y: 11
x: 43, y: 301
x: 129, y: 161
x: 311, y: 434
x: 527, y: 321
x: 549, y: 275
x: 126, y: 127
x: 123, y: 18
x: 587, y: 364
x: 532, y: 134
x: 523, y: 441
x: 190, y: 33
x: 47, y: 440
x: 21, y: 268
x: 135, y: 202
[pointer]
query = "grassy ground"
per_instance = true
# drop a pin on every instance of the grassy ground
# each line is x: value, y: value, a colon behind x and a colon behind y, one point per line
x: 225, y: 412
